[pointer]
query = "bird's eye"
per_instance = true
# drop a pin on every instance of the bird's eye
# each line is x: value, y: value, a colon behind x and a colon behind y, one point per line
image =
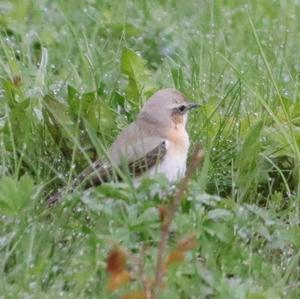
x: 181, y: 108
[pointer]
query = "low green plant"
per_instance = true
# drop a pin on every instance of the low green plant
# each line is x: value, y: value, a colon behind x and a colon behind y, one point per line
x: 73, y: 74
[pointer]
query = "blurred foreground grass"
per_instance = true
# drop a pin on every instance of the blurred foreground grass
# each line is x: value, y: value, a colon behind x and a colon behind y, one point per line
x: 73, y: 73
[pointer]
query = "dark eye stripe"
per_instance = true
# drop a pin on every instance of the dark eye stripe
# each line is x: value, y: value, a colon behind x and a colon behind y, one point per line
x: 181, y: 108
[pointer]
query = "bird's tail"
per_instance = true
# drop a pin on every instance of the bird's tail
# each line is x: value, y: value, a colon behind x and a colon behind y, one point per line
x: 56, y: 196
x: 93, y: 175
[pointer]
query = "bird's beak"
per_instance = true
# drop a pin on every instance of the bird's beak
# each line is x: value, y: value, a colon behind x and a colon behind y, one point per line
x: 192, y: 106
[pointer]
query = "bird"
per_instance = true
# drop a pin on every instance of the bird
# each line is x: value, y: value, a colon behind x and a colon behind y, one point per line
x: 156, y: 142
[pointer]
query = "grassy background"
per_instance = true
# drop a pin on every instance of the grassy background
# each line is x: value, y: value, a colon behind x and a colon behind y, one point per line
x: 73, y: 73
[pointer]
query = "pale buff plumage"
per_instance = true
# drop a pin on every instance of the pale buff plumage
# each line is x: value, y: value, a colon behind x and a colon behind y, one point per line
x: 160, y: 130
x: 156, y: 123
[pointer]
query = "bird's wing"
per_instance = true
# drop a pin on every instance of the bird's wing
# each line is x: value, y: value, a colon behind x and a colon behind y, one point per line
x: 136, y: 158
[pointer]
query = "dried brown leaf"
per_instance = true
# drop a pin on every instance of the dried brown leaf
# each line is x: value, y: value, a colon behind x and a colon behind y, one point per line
x: 16, y: 80
x: 116, y: 261
x: 188, y: 242
x: 175, y: 256
x: 162, y: 213
x: 117, y: 280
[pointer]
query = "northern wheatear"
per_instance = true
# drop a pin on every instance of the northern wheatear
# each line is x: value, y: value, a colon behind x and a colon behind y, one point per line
x: 156, y: 142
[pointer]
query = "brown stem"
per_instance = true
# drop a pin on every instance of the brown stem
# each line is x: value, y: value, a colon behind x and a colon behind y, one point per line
x: 145, y: 282
x: 165, y: 230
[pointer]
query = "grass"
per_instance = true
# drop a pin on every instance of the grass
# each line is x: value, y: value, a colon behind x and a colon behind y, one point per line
x: 74, y: 73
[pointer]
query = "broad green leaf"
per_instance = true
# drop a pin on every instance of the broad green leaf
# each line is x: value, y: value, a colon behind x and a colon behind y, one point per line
x: 139, y: 85
x: 100, y: 116
x: 110, y: 191
x: 15, y: 195
x: 59, y: 124
x: 21, y: 121
x: 203, y: 177
x: 250, y: 147
x: 73, y: 101
x: 132, y: 64
x: 219, y: 214
x: 58, y: 111
x: 223, y: 231
x: 91, y: 107
x: 249, y: 162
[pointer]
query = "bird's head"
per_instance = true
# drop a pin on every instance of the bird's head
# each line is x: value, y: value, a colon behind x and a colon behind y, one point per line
x: 167, y: 107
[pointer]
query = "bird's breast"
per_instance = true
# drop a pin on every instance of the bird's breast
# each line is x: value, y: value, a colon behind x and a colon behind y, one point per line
x: 178, y: 139
x: 173, y: 165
